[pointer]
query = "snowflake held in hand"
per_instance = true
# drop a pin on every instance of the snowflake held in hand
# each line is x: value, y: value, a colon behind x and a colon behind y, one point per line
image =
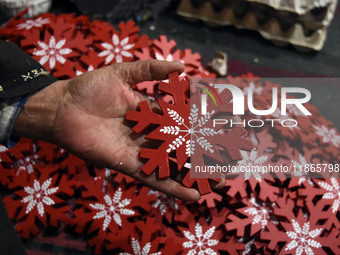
x: 39, y: 195
x: 39, y: 22
x: 196, y: 129
x: 250, y: 160
x: 303, y: 239
x: 163, y: 201
x: 333, y: 193
x: 137, y: 249
x: 260, y: 213
x: 113, y: 209
x: 116, y: 50
x: 52, y: 52
x: 200, y: 242
x: 174, y: 127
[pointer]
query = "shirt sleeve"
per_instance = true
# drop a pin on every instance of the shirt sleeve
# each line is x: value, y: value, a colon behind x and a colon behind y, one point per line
x: 19, y: 76
x: 9, y: 111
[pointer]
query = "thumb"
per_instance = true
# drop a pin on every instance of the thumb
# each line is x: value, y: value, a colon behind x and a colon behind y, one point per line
x: 146, y: 70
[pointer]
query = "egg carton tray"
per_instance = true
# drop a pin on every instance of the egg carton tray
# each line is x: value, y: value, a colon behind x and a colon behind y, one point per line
x: 300, y: 7
x: 315, y: 18
x: 272, y: 27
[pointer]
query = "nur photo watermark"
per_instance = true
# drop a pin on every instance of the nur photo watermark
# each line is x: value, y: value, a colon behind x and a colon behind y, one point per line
x: 288, y: 135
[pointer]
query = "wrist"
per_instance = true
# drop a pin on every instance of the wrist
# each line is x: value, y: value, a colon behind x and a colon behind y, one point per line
x: 36, y: 118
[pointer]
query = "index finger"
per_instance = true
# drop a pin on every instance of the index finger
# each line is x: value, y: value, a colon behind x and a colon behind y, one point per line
x: 147, y: 70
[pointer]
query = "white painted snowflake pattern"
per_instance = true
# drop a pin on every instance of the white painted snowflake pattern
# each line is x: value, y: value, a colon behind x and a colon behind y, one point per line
x: 251, y: 160
x: 39, y: 195
x: 116, y: 50
x: 333, y: 193
x: 299, y: 170
x: 137, y: 249
x: 39, y: 22
x: 112, y: 209
x: 328, y: 135
x: 260, y: 212
x: 90, y: 68
x: 256, y: 90
x: 197, y: 131
x: 303, y: 239
x: 200, y: 243
x: 25, y: 164
x: 53, y: 52
x: 163, y: 201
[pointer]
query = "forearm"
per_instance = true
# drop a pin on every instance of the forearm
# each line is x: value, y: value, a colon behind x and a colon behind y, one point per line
x: 36, y: 118
x: 9, y: 111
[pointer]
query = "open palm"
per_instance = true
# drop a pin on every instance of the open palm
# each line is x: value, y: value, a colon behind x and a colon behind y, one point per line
x: 88, y: 119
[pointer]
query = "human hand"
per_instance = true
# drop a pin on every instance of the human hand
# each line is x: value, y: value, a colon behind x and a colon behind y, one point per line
x: 86, y: 116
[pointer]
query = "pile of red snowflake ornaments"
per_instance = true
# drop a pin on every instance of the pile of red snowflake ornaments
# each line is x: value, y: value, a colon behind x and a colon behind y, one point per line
x: 47, y: 187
